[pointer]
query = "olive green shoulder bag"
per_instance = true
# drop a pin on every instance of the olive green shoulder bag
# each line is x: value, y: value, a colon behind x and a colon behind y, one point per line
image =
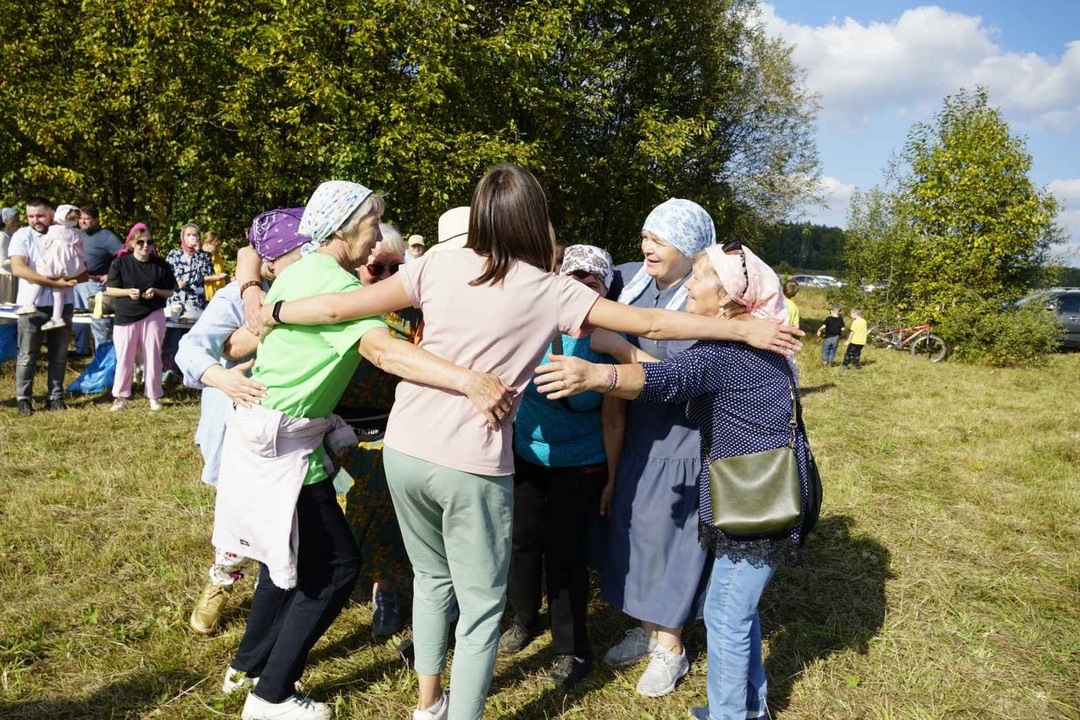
x: 758, y: 493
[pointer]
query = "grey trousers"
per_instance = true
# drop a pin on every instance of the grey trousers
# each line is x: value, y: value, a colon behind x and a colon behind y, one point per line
x: 31, y: 337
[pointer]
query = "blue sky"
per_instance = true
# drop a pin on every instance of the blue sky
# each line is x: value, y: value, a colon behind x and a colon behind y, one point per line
x: 881, y: 66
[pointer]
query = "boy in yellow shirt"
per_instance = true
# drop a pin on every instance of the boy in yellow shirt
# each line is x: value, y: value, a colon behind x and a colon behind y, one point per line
x: 856, y: 340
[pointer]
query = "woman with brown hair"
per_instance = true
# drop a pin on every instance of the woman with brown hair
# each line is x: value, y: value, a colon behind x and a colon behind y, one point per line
x: 493, y: 306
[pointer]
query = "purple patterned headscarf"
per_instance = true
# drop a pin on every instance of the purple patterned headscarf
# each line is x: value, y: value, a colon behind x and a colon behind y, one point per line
x: 277, y: 232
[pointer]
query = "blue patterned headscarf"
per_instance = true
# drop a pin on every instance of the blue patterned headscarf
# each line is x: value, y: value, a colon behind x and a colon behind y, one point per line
x: 684, y: 225
x: 329, y: 207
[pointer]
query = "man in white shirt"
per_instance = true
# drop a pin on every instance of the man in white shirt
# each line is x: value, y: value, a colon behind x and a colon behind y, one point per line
x: 25, y: 251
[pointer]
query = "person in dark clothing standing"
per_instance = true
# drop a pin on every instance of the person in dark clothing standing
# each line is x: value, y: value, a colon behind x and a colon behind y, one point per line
x: 101, y: 246
x: 830, y: 330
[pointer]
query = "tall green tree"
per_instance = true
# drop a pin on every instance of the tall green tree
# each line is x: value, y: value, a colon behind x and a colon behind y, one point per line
x: 210, y: 110
x: 959, y: 231
x: 958, y: 216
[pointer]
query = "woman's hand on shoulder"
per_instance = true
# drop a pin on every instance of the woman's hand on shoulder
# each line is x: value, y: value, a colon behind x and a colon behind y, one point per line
x: 491, y: 396
x: 565, y: 375
x: 770, y: 335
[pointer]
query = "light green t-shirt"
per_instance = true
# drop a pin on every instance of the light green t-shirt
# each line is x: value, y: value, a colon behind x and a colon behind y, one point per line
x: 792, y: 311
x: 306, y: 368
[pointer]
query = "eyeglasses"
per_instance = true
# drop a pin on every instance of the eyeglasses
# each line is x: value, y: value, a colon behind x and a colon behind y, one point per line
x: 733, y: 245
x: 381, y: 269
x: 144, y: 243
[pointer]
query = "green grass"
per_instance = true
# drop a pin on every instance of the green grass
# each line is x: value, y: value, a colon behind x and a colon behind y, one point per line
x: 942, y: 582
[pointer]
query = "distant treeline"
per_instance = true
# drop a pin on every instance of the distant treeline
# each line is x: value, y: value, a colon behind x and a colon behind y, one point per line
x: 803, y: 246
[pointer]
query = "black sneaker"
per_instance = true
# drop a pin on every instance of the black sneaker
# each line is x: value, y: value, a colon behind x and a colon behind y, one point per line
x: 56, y: 405
x: 516, y: 639
x: 568, y: 671
x: 26, y: 408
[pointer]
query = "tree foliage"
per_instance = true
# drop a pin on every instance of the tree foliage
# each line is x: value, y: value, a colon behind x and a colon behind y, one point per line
x: 958, y: 229
x: 172, y: 110
x: 803, y: 245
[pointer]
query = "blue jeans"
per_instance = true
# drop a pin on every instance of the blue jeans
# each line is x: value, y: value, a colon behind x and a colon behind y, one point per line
x: 736, y: 674
x: 828, y: 349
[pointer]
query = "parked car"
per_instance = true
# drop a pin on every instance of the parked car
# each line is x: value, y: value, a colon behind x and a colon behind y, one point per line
x: 807, y: 280
x: 1065, y: 303
x: 829, y: 281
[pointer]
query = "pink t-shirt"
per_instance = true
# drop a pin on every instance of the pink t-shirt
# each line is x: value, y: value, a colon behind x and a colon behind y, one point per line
x: 502, y: 329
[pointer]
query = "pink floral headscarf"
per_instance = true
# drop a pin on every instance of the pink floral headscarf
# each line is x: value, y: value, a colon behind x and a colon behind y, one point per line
x: 749, y: 281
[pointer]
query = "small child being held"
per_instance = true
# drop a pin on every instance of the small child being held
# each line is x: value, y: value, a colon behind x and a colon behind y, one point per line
x: 830, y: 330
x: 62, y: 256
x: 856, y: 340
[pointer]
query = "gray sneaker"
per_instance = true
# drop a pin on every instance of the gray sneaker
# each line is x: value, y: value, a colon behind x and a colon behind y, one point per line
x: 632, y: 648
x: 386, y: 615
x: 664, y: 672
x: 515, y: 639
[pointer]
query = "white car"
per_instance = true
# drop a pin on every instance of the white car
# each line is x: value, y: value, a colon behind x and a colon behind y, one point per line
x: 828, y: 281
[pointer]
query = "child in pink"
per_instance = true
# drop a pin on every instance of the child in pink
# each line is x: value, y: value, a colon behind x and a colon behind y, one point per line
x: 62, y: 256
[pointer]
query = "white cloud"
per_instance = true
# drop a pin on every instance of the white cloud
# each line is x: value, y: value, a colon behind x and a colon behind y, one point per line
x: 837, y: 194
x: 1068, y: 193
x: 925, y: 54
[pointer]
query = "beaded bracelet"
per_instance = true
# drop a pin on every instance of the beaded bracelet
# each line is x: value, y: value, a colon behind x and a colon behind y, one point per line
x: 614, y: 380
x: 250, y: 283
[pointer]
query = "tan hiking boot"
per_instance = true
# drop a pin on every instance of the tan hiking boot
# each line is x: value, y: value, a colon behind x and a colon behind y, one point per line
x: 208, y: 608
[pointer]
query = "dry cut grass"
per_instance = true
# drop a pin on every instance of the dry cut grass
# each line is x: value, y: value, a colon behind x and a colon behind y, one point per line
x: 942, y: 582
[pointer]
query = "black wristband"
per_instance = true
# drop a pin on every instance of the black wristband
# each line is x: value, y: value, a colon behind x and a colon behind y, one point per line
x: 277, y: 312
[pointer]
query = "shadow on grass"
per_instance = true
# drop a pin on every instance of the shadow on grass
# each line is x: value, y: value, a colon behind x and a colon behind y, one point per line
x: 128, y: 699
x: 834, y: 601
x: 810, y: 390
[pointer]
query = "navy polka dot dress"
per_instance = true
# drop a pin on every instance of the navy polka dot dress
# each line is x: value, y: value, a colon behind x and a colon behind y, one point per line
x: 740, y: 399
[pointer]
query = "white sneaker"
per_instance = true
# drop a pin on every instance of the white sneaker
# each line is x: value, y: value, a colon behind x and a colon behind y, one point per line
x: 632, y: 648
x: 53, y: 324
x: 664, y: 672
x: 295, y: 708
x: 118, y: 405
x: 438, y: 711
x: 26, y: 310
x: 155, y: 406
x: 237, y: 680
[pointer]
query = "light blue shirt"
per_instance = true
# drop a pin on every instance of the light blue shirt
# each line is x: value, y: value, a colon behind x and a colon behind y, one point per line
x: 200, y: 348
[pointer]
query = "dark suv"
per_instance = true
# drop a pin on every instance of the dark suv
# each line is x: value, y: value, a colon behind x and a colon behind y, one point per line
x: 1065, y: 302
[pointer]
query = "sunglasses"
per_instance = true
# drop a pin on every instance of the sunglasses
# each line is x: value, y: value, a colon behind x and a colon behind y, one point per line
x: 144, y: 243
x: 380, y: 269
x: 581, y: 274
x: 732, y: 246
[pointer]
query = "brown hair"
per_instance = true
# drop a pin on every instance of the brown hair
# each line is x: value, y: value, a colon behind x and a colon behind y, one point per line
x: 790, y: 288
x: 508, y: 221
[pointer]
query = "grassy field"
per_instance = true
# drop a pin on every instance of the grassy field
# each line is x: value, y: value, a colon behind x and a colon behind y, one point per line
x: 942, y: 582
